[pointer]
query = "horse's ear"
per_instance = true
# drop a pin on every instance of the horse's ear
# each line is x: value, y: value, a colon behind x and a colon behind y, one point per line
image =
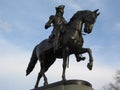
x: 98, y: 14
x: 95, y: 11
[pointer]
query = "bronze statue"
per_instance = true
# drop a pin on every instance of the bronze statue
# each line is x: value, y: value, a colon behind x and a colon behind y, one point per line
x: 71, y: 43
x: 58, y: 22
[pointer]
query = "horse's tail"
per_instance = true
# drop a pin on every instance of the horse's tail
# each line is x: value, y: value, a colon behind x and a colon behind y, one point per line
x: 32, y: 62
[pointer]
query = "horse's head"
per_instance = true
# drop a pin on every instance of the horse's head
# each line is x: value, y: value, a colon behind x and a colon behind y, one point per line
x: 89, y: 20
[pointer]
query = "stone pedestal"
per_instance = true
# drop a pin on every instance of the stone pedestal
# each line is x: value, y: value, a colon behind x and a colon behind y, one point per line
x: 67, y: 85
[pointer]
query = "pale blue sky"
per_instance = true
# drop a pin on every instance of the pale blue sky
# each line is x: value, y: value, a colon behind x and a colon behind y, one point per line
x: 22, y: 27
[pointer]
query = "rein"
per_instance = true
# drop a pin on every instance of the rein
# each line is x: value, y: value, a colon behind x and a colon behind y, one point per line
x: 81, y: 32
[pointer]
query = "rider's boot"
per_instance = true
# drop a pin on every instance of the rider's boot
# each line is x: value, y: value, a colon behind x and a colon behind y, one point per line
x: 57, y: 44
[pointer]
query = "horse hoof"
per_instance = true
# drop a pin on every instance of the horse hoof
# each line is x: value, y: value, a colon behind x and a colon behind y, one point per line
x: 63, y: 79
x: 89, y: 66
x: 35, y: 87
x: 80, y: 59
x: 46, y: 83
x: 83, y: 58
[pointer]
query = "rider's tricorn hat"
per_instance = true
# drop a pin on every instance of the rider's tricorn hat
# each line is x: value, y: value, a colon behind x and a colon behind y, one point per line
x: 60, y: 7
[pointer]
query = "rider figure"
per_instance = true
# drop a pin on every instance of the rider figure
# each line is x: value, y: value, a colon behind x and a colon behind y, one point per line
x: 58, y: 21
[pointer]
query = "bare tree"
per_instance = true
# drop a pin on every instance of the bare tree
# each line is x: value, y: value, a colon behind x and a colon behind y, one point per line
x: 116, y: 85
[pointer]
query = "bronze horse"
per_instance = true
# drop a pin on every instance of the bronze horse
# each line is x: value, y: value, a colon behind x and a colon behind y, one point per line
x: 71, y: 43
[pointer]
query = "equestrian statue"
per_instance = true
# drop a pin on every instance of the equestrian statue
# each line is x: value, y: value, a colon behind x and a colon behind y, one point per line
x: 65, y: 39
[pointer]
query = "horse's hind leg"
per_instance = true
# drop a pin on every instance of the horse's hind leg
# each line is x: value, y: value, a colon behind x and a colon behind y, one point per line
x: 40, y: 74
x: 45, y: 79
x: 48, y: 63
x: 38, y: 78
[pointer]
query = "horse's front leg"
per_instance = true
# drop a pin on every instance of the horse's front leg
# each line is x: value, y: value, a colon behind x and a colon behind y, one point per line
x: 65, y: 54
x: 89, y: 51
x: 64, y: 68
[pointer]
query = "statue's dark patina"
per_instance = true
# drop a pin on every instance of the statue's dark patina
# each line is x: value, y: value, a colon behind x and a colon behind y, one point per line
x: 58, y: 22
x: 70, y: 40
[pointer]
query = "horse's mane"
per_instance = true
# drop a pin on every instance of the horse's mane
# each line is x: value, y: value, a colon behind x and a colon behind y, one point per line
x: 78, y: 15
